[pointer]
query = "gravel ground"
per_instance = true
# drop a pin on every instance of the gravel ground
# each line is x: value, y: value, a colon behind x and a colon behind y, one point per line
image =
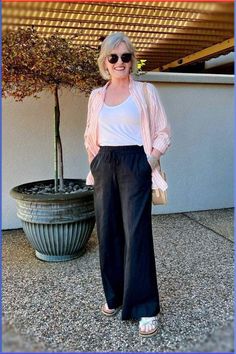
x: 54, y: 307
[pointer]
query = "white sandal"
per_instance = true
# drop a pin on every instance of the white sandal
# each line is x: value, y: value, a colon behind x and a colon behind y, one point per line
x: 145, y: 322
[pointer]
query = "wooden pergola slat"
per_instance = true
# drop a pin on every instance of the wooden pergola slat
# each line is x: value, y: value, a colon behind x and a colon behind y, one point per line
x: 162, y: 32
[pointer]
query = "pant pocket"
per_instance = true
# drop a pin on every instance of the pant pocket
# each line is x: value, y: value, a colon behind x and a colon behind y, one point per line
x: 147, y: 164
x: 93, y: 162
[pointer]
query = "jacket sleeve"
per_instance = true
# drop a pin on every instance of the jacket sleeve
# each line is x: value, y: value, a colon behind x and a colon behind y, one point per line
x: 160, y: 127
x: 86, y: 135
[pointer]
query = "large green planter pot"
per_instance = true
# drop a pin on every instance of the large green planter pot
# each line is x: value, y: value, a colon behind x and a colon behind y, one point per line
x: 57, y: 226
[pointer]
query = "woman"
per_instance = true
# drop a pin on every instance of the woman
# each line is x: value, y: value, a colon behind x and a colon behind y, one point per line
x: 124, y: 150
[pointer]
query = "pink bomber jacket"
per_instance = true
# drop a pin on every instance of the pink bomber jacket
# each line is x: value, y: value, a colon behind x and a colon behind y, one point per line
x: 155, y: 130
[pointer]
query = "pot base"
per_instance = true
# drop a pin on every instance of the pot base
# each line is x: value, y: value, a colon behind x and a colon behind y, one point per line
x: 48, y: 258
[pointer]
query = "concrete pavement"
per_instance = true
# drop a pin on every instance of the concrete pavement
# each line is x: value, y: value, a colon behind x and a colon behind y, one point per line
x: 54, y: 307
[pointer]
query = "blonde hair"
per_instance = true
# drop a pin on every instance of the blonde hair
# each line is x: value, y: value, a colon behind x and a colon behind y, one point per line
x: 109, y: 43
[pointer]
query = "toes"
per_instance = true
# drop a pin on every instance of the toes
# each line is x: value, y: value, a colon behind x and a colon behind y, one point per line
x: 142, y: 328
x: 149, y: 326
x: 146, y: 328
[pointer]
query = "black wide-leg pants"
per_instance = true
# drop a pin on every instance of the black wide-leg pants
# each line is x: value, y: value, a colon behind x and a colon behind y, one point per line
x: 122, y: 198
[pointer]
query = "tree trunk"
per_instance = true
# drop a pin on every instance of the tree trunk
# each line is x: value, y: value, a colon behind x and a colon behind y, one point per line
x: 58, y: 156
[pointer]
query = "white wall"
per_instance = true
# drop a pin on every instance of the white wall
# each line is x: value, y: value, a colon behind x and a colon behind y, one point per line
x: 28, y: 143
x: 199, y: 163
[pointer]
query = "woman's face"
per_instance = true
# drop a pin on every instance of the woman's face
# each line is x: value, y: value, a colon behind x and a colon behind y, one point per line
x: 119, y: 69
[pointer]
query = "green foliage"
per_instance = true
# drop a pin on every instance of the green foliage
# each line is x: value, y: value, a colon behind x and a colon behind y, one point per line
x: 31, y: 64
x: 141, y: 63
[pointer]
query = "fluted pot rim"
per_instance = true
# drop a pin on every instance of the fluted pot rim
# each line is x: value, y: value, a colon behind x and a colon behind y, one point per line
x: 48, y: 198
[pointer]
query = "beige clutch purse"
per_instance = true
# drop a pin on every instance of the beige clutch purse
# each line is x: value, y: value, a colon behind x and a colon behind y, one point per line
x: 158, y: 196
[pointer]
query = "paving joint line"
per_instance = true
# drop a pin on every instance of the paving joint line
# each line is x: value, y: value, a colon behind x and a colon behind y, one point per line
x: 208, y: 228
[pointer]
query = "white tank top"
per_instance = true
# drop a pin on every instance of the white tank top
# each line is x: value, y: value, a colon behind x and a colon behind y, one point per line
x: 120, y: 124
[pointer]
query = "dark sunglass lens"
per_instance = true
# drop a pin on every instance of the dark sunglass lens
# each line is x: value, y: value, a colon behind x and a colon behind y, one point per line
x: 126, y: 57
x: 113, y: 58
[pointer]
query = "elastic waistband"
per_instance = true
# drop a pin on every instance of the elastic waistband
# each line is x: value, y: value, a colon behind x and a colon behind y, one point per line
x: 122, y: 148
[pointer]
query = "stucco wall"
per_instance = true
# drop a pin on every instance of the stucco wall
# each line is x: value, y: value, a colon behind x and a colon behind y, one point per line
x: 199, y: 163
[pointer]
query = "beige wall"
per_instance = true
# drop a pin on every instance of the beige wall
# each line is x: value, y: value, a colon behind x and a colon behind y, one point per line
x: 199, y: 163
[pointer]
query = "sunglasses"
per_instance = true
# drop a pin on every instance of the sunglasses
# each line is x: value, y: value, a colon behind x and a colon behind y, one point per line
x: 113, y: 58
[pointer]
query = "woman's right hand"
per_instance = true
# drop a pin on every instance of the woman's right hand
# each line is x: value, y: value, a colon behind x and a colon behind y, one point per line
x: 153, y: 162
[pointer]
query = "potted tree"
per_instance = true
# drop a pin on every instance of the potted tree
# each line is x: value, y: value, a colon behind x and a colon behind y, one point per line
x: 57, y: 215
